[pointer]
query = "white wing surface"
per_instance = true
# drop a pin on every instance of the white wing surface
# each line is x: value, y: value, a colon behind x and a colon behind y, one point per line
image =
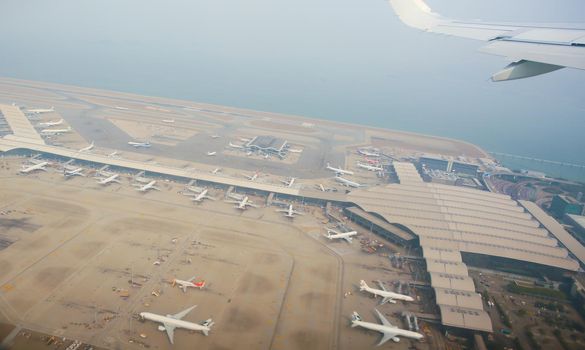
x: 533, y: 49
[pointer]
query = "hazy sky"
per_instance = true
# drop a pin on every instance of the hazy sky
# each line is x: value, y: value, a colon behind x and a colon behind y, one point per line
x: 346, y: 60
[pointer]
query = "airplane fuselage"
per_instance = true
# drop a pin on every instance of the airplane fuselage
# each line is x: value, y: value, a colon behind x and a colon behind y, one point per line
x: 174, y: 322
x: 385, y: 329
x: 347, y: 182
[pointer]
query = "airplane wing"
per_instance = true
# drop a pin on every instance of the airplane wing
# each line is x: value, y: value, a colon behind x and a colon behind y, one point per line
x: 183, y: 313
x: 383, y: 319
x: 381, y: 285
x: 170, y: 331
x: 387, y: 336
x: 533, y: 49
x: 348, y: 239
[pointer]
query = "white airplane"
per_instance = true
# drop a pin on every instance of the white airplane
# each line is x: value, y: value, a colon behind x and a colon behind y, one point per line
x: 293, y: 150
x: 332, y: 234
x: 388, y: 330
x: 252, y: 177
x: 216, y: 170
x: 148, y: 186
x: 113, y: 154
x: 170, y: 322
x: 289, y: 182
x: 387, y: 296
x: 321, y: 187
x: 36, y: 166
x: 109, y: 179
x: 139, y: 144
x: 369, y: 167
x: 235, y: 146
x: 201, y: 196
x: 367, y: 153
x: 533, y: 49
x: 88, y: 148
x: 339, y: 171
x: 215, y: 136
x: 243, y: 203
x: 55, y: 131
x: 52, y: 123
x: 188, y: 284
x: 211, y: 153
x: 168, y: 121
x: 347, y: 182
x: 41, y: 110
x: 121, y: 108
x: 290, y: 212
x: 72, y: 171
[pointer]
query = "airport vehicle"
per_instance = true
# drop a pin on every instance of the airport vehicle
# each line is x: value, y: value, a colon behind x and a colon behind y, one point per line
x: 243, y: 203
x: 139, y: 144
x: 290, y: 212
x: 534, y: 49
x: 52, y: 123
x: 339, y: 171
x: 387, y: 296
x: 170, y: 322
x: 109, y: 179
x: 369, y: 167
x: 184, y: 284
x: 289, y: 182
x: 367, y: 153
x: 147, y: 187
x: 37, y: 165
x: 40, y: 110
x: 332, y: 234
x: 388, y: 330
x: 211, y: 153
x: 347, y: 182
x: 201, y: 196
x: 88, y: 148
x: 55, y: 131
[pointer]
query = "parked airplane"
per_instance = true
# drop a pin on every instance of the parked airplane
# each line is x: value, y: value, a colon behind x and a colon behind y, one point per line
x: 340, y: 235
x: 290, y: 212
x: 373, y: 161
x: 339, y: 171
x: 36, y: 166
x: 321, y: 187
x: 252, y: 177
x: 88, y: 148
x: 41, y: 110
x: 387, y: 296
x: 367, y: 153
x: 53, y: 123
x: 369, y: 167
x: 188, y: 284
x: 139, y: 144
x: 148, y: 186
x: 216, y: 170
x: 109, y: 179
x: 168, y: 121
x: 69, y: 171
x: 201, y: 196
x: 113, y: 154
x: 170, y: 322
x: 243, y: 203
x: 388, y: 330
x: 293, y: 150
x: 235, y: 146
x: 55, y: 131
x: 289, y: 182
x: 211, y: 153
x: 347, y: 182
x: 533, y: 49
x: 215, y: 136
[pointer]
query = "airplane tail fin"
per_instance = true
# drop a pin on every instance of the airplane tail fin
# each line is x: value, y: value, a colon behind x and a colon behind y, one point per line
x: 363, y: 285
x: 207, y: 323
x: 355, y: 317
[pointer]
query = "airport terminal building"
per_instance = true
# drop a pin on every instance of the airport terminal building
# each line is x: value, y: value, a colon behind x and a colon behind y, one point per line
x: 452, y: 223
